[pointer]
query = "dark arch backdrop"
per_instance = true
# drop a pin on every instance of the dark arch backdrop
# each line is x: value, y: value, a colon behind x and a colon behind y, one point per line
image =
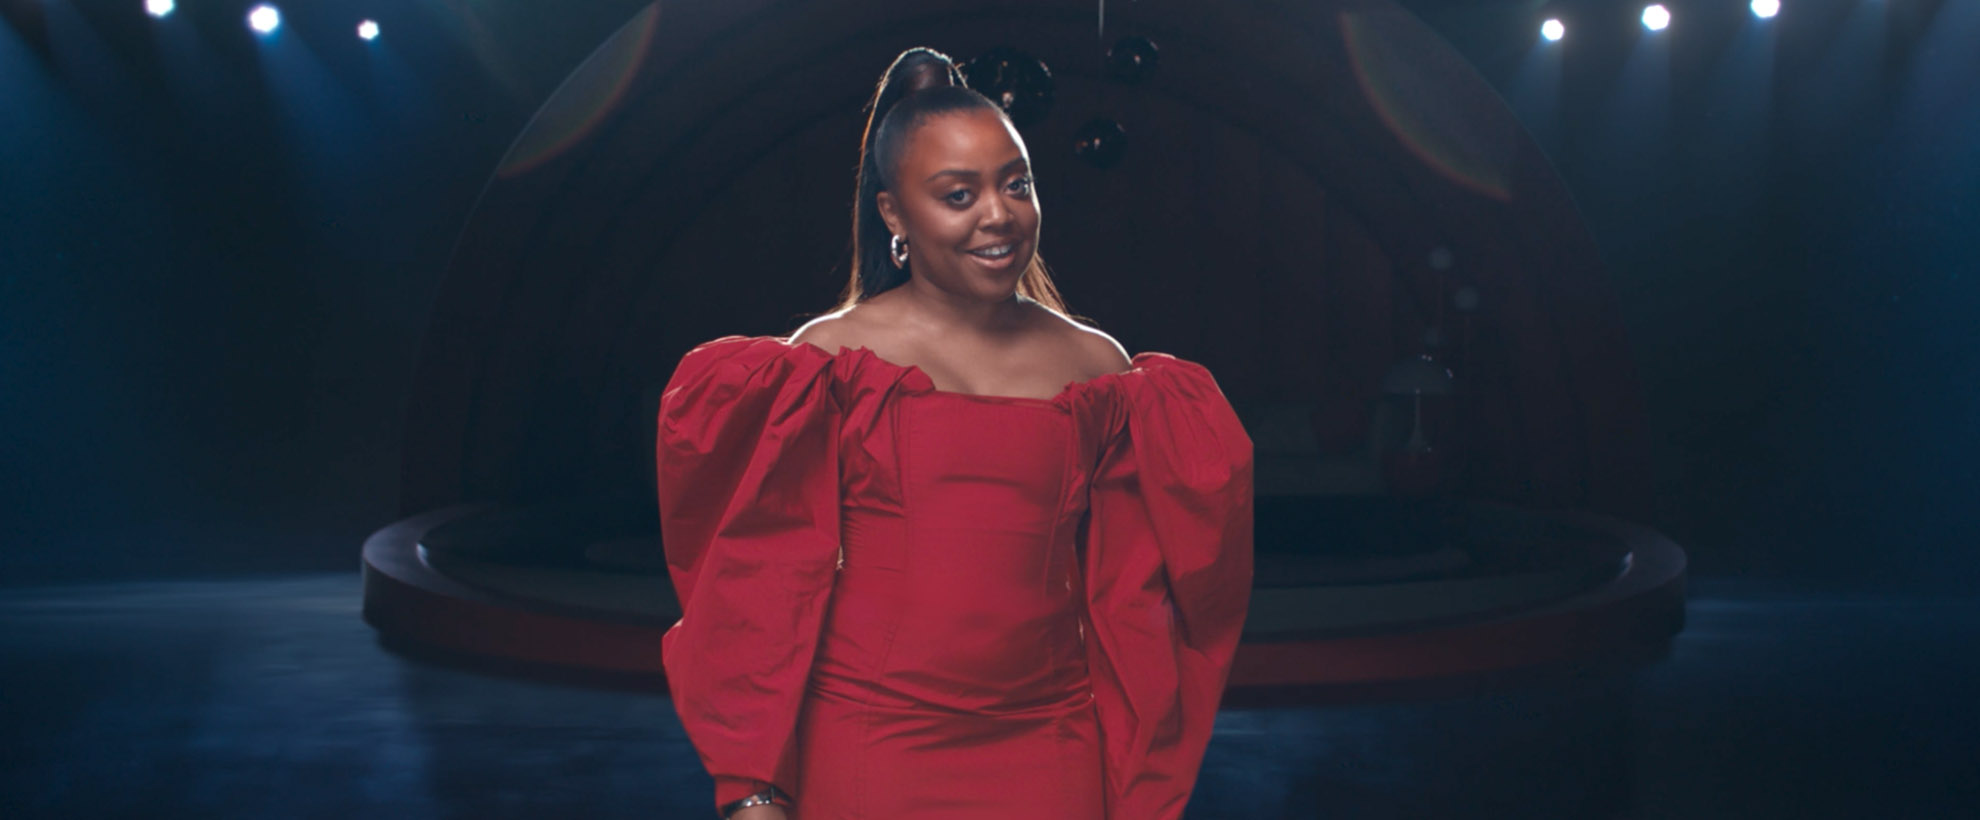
x: 1296, y: 175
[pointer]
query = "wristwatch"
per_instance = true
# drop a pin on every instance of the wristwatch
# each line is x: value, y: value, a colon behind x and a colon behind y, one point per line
x: 763, y: 798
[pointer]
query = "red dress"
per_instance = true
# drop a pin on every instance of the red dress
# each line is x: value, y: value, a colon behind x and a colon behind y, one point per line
x: 903, y: 602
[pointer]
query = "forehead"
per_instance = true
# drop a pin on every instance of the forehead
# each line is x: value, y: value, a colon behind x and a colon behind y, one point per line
x: 977, y: 139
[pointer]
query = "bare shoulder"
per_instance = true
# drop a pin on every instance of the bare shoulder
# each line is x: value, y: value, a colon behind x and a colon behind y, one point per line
x: 830, y: 331
x: 1096, y: 352
x: 1101, y: 351
x: 873, y: 323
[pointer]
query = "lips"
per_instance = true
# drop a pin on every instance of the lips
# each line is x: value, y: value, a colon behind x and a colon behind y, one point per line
x: 995, y: 257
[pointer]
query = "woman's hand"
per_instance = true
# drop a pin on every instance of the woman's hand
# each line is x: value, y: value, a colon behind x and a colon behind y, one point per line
x: 764, y: 812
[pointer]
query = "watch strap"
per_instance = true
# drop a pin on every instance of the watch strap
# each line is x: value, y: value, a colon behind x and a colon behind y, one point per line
x: 766, y: 797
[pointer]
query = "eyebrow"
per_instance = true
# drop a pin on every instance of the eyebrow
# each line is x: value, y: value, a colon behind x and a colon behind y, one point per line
x: 963, y: 172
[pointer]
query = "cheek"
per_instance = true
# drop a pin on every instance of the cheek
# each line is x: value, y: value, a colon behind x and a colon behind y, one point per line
x: 942, y: 226
x: 1028, y: 215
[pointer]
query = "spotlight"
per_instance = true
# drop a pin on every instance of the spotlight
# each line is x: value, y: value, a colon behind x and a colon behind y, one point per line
x: 264, y: 18
x: 368, y: 30
x: 159, y: 8
x: 1656, y: 17
x: 1553, y: 30
x: 1764, y: 9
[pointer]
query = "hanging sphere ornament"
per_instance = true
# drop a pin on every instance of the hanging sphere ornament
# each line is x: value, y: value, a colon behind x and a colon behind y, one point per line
x: 1100, y: 143
x: 1465, y: 299
x: 1133, y: 59
x: 1441, y: 259
x: 1017, y: 81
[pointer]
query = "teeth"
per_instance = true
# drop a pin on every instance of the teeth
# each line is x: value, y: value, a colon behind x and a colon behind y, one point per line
x: 994, y: 253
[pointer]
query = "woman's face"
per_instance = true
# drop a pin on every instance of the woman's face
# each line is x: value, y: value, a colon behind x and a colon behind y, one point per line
x: 962, y: 193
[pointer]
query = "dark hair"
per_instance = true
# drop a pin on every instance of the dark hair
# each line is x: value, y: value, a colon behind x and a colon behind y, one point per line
x: 921, y: 83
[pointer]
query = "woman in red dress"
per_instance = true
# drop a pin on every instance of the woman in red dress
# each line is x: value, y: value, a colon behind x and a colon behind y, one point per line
x: 945, y: 552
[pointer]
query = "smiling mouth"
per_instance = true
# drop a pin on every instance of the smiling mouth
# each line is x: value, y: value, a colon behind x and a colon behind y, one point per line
x: 995, y: 253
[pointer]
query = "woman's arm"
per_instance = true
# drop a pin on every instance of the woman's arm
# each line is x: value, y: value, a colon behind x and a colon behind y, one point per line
x: 746, y: 457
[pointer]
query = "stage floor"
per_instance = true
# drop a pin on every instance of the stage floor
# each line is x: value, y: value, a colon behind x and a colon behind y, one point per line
x: 270, y: 697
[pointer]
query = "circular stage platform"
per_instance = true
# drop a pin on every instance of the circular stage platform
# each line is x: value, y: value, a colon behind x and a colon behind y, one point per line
x: 1352, y: 594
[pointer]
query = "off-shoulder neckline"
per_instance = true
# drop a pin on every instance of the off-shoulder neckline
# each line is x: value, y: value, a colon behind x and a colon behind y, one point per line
x: 926, y: 384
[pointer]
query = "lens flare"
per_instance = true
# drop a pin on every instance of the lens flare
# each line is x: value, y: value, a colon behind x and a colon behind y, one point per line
x: 587, y: 98
x: 1553, y: 30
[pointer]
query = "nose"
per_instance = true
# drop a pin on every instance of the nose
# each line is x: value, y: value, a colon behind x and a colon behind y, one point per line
x: 1000, y: 214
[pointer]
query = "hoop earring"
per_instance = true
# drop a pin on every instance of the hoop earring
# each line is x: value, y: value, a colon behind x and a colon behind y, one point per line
x: 899, y: 250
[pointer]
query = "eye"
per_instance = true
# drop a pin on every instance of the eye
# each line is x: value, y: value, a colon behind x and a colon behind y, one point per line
x: 957, y: 196
x: 1022, y: 185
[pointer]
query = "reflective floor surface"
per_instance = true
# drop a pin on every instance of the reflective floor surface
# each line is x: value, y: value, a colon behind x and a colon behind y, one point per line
x: 269, y: 697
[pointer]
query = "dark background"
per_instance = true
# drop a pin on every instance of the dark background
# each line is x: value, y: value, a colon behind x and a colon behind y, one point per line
x: 217, y: 255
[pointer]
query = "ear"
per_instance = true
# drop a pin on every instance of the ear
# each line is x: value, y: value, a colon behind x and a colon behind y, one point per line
x: 890, y: 213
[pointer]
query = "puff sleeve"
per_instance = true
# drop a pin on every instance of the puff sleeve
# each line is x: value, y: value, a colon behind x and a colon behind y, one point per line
x: 747, y: 455
x: 1167, y: 559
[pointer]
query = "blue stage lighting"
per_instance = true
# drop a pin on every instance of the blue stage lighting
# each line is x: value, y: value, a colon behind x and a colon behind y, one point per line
x: 1764, y: 9
x: 1656, y: 17
x: 1553, y: 30
x: 159, y: 8
x: 368, y: 30
x: 265, y: 19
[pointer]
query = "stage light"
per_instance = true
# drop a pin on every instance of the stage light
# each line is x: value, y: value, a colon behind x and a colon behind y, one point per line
x: 1764, y: 9
x: 1553, y: 30
x: 264, y: 18
x: 1656, y: 17
x: 159, y: 8
x: 368, y: 30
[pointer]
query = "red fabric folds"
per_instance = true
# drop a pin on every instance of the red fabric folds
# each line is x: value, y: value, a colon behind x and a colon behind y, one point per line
x: 1152, y: 513
x: 748, y: 489
x: 1168, y: 564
